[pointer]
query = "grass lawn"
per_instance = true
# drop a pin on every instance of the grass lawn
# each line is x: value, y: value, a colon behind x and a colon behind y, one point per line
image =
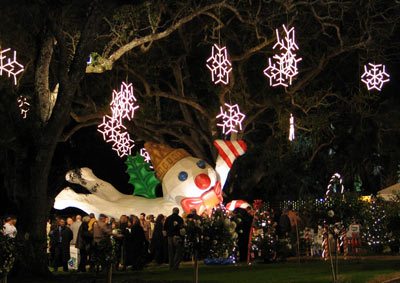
x: 352, y: 270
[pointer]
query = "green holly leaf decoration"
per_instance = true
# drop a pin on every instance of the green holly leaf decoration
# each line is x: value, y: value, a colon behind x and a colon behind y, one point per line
x: 141, y: 176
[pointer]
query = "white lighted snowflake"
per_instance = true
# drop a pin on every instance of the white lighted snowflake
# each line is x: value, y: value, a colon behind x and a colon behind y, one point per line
x: 23, y: 105
x: 146, y: 156
x: 375, y: 77
x: 122, y: 106
x: 232, y: 119
x: 123, y: 144
x: 219, y: 65
x: 11, y: 67
x: 123, y: 102
x: 291, y: 128
x: 285, y: 68
x: 111, y: 128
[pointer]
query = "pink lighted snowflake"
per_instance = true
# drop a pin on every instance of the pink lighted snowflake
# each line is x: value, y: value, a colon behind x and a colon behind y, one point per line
x: 122, y: 106
x: 23, y: 105
x: 375, y: 77
x: 146, y: 156
x: 285, y: 68
x: 123, y: 144
x: 231, y: 119
x: 111, y: 128
x: 219, y: 65
x: 123, y: 102
x: 10, y: 67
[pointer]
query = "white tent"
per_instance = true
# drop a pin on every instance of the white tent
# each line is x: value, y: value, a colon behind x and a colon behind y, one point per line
x: 390, y: 192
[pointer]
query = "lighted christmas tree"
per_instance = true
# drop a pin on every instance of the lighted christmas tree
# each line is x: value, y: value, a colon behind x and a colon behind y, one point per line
x: 264, y: 238
x: 374, y: 229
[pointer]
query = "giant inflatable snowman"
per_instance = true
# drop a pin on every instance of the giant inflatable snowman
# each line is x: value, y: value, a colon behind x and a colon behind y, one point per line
x: 187, y: 182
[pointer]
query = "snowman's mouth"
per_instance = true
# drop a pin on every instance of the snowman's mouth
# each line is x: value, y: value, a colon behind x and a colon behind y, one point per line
x: 206, y: 201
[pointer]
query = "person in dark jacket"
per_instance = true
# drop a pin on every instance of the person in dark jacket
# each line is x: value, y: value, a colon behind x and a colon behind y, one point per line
x: 284, y: 224
x: 172, y: 226
x: 83, y: 242
x: 138, y: 244
x: 62, y: 237
x: 159, y: 242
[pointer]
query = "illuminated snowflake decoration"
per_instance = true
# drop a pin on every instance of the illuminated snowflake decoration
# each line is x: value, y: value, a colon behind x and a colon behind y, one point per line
x: 123, y: 144
x: 11, y: 67
x: 23, y: 105
x: 232, y: 119
x: 110, y: 128
x: 146, y: 156
x: 291, y: 128
x: 123, y: 102
x: 122, y: 106
x: 219, y: 65
x: 282, y: 71
x: 113, y: 131
x: 375, y: 76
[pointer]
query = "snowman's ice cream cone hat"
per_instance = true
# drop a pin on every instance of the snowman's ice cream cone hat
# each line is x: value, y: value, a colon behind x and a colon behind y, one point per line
x: 164, y: 157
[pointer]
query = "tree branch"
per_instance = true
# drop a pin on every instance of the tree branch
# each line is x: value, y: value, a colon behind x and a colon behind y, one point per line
x: 107, y: 64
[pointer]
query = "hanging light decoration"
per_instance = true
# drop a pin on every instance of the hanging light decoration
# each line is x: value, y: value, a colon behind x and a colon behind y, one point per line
x: 291, y: 128
x: 219, y: 65
x: 146, y: 156
x: 282, y: 71
x: 374, y: 76
x: 231, y: 119
x: 24, y: 105
x: 335, y: 178
x: 11, y: 67
x: 123, y: 102
x: 112, y: 129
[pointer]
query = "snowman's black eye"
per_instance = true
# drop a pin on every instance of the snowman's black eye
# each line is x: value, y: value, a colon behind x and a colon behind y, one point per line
x: 201, y: 164
x: 182, y: 176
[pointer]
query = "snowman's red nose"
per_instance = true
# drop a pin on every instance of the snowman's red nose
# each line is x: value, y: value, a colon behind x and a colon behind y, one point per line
x: 202, y: 181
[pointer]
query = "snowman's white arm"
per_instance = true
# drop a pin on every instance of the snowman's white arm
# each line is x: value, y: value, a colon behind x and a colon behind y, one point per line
x: 228, y: 152
x: 127, y: 205
x: 86, y: 178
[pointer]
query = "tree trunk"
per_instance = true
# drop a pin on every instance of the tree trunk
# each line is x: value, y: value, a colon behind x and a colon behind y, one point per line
x: 34, y: 211
x: 109, y: 271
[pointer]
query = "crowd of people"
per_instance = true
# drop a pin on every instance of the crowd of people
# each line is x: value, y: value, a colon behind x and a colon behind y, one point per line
x: 140, y: 239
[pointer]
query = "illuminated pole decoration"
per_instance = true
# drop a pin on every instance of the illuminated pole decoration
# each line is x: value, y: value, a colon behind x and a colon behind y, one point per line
x: 291, y: 128
x: 10, y: 67
x: 332, y: 184
x: 112, y: 129
x: 231, y: 119
x: 146, y: 156
x: 23, y: 105
x: 375, y: 76
x: 219, y: 65
x: 284, y: 69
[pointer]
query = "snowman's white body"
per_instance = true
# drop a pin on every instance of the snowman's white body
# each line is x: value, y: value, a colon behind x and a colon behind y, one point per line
x: 104, y: 198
